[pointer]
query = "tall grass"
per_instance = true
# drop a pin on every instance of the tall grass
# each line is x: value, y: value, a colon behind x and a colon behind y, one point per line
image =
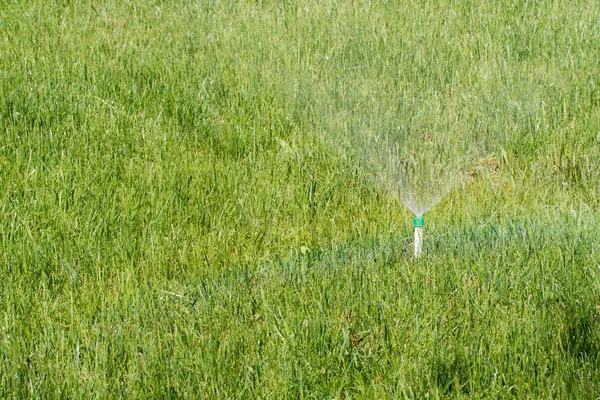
x: 180, y: 217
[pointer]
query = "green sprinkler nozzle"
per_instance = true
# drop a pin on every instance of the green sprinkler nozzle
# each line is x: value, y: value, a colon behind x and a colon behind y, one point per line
x: 419, y: 222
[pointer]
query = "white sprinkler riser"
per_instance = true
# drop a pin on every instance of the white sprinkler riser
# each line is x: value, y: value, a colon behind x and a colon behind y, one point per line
x: 418, y: 240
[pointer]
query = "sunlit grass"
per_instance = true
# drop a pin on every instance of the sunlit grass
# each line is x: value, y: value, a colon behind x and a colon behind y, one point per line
x: 181, y: 216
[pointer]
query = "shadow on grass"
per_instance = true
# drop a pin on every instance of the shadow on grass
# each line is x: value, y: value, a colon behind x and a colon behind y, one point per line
x: 581, y: 334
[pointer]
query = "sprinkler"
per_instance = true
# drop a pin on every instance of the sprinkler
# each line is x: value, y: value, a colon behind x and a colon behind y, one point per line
x: 418, y: 222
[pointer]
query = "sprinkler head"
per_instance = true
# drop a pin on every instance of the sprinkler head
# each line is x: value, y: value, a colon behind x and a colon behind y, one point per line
x: 419, y: 222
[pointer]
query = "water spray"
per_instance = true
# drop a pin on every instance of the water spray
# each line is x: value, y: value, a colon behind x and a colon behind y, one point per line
x: 418, y: 222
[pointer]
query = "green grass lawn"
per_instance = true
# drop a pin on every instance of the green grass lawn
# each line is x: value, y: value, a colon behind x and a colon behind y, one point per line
x: 188, y: 208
